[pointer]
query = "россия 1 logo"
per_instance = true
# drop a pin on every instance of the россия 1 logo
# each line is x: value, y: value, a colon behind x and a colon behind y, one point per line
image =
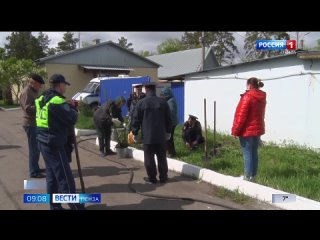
x: 276, y: 44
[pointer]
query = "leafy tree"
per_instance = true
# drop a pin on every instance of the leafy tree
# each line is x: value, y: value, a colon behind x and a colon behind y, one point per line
x: 223, y: 43
x: 44, y: 42
x: 144, y: 53
x: 170, y: 45
x: 13, y: 73
x: 191, y: 40
x: 51, y: 51
x: 23, y: 45
x: 250, y: 44
x: 86, y: 44
x: 2, y: 53
x: 123, y: 42
x: 224, y: 47
x: 69, y: 42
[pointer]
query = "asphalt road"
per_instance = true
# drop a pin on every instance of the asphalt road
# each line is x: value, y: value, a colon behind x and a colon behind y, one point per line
x: 109, y: 176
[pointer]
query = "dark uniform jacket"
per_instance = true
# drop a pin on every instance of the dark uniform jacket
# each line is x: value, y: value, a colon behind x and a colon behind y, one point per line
x: 152, y: 115
x: 133, y: 100
x: 61, y: 118
x: 190, y: 134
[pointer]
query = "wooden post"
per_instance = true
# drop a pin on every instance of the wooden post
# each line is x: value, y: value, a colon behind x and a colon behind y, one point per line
x: 205, y: 127
x: 214, y: 125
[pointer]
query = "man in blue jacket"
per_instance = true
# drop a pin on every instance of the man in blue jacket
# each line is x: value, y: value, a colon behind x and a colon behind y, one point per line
x: 54, y: 118
x: 167, y: 94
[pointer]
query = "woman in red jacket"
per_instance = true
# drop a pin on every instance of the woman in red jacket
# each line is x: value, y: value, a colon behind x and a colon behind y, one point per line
x: 248, y: 125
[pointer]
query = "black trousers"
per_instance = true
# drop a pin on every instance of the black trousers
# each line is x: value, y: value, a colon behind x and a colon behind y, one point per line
x: 150, y: 150
x: 104, y: 137
x: 191, y: 136
x: 170, y: 143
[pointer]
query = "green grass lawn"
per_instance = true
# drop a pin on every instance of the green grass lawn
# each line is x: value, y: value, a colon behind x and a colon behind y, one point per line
x: 85, y: 122
x: 8, y: 106
x: 235, y: 196
x: 292, y: 168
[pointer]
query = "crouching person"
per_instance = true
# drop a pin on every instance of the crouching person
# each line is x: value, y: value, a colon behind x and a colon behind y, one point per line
x: 192, y: 133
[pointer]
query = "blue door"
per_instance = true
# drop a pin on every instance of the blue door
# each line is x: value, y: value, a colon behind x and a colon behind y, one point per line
x: 178, y: 91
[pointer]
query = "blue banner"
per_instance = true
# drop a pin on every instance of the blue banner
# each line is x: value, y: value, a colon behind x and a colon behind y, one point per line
x: 90, y: 198
x: 271, y: 44
x: 36, y: 198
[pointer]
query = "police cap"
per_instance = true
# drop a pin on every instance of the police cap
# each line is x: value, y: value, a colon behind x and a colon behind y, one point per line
x: 192, y: 117
x: 58, y: 78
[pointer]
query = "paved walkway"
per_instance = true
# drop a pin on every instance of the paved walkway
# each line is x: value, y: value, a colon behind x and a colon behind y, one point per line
x: 109, y: 176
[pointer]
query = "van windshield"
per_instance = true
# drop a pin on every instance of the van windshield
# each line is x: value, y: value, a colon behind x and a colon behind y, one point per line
x: 91, y: 87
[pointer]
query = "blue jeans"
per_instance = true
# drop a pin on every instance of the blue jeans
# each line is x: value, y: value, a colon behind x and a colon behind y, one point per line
x: 34, y: 152
x: 249, y: 147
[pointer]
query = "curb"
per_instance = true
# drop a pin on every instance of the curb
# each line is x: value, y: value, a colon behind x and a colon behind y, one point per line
x: 9, y: 109
x: 253, y: 190
x: 84, y: 132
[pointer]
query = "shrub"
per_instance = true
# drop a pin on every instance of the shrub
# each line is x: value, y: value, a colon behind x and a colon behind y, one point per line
x: 85, y: 109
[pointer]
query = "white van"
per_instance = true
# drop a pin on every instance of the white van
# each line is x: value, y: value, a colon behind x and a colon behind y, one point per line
x: 91, y: 93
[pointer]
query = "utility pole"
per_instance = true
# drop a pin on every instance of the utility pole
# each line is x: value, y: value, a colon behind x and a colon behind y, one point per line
x: 301, y: 41
x: 203, y: 51
x: 79, y: 40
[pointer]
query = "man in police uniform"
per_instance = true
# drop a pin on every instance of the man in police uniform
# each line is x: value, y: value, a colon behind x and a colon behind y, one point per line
x: 54, y: 118
x: 132, y: 101
x: 152, y: 116
x: 192, y: 132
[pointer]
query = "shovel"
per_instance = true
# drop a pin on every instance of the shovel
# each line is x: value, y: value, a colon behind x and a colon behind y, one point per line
x: 215, y: 152
x: 78, y: 162
x: 205, y: 158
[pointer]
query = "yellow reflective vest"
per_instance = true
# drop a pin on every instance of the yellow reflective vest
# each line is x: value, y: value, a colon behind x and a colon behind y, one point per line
x: 42, y: 113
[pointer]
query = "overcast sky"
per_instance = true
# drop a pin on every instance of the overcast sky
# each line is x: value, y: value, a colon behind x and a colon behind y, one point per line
x: 150, y: 40
x: 140, y: 40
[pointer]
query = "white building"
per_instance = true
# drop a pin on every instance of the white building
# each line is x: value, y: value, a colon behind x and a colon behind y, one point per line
x: 292, y: 84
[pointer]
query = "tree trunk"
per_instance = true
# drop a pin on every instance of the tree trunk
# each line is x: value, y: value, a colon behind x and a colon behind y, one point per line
x: 8, y: 96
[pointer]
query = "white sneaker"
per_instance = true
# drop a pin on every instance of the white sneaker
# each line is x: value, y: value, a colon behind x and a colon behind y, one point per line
x: 252, y: 179
x: 246, y: 178
x: 249, y: 179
